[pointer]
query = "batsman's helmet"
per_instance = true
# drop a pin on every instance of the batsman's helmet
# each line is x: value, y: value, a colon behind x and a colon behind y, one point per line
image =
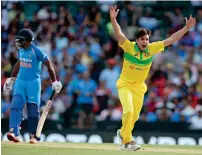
x: 24, y: 35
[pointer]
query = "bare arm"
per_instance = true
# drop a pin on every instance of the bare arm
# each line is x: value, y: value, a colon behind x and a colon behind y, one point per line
x: 117, y: 29
x: 15, y: 69
x: 51, y: 70
x: 179, y: 34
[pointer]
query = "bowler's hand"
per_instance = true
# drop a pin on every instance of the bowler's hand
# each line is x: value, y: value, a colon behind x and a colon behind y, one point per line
x: 190, y: 22
x: 114, y: 12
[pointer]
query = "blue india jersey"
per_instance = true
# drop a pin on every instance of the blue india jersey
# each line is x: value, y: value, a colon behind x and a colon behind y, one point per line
x: 31, y: 60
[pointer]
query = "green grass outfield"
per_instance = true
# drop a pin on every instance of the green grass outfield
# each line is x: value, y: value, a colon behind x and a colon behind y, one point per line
x: 47, y: 148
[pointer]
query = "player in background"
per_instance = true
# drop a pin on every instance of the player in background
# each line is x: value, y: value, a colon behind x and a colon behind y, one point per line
x: 27, y: 84
x: 137, y: 62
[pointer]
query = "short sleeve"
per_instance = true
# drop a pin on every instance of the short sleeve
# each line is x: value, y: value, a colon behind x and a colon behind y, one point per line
x: 156, y: 47
x: 42, y: 56
x: 126, y: 46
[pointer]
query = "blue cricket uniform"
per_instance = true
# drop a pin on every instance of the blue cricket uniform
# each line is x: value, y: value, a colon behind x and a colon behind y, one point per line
x: 85, y: 87
x: 28, y: 82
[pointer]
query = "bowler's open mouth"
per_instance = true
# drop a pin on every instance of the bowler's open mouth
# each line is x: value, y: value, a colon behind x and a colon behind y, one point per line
x: 144, y: 46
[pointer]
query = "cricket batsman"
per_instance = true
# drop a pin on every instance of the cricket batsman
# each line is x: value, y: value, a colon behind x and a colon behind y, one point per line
x: 136, y: 65
x: 27, y: 84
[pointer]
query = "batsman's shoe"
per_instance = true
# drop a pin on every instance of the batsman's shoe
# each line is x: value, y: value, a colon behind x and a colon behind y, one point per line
x: 119, y: 134
x: 33, y: 141
x: 130, y: 146
x: 11, y: 136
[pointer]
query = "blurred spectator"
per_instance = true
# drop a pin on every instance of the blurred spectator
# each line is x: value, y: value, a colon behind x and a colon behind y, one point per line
x: 176, y: 17
x: 43, y: 13
x: 112, y: 113
x: 196, y: 121
x: 93, y: 16
x: 102, y: 97
x: 110, y: 75
x: 95, y: 50
x: 151, y: 117
x: 188, y: 110
x: 147, y: 21
x: 85, y: 89
x: 164, y: 114
x: 6, y: 66
x: 60, y: 104
x: 80, y: 16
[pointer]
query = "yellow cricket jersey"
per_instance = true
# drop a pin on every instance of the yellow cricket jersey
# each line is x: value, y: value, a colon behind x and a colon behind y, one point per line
x: 137, y: 63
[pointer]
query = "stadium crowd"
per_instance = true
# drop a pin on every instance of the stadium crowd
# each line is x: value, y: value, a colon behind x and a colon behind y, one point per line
x: 79, y: 40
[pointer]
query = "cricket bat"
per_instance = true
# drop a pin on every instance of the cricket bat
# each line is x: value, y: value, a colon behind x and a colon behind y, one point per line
x: 44, y: 115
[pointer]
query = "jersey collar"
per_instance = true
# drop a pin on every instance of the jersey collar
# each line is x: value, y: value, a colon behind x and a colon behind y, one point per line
x: 28, y: 47
x: 139, y: 50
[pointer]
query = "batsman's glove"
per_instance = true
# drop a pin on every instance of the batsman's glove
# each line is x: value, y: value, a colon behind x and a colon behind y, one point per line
x: 8, y: 85
x: 57, y: 86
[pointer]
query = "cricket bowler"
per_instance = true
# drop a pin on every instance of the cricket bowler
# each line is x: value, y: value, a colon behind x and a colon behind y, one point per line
x: 136, y: 65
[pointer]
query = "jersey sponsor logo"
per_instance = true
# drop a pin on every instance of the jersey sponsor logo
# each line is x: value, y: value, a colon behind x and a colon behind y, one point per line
x: 25, y: 64
x: 132, y: 67
x: 141, y: 69
x: 25, y: 60
x: 137, y: 68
